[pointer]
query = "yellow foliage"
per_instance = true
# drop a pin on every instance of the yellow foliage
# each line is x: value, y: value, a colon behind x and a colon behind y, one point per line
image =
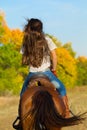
x: 66, y: 68
x: 6, y: 36
x: 13, y: 36
x: 82, y: 59
x: 18, y: 79
x: 16, y: 37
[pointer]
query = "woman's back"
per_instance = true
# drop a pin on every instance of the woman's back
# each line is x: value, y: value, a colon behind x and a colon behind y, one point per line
x: 35, y: 45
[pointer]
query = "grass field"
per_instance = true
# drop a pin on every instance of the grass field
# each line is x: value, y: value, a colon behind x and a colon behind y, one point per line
x: 77, y: 102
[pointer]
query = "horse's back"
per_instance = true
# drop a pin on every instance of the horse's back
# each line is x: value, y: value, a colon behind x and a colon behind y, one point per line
x: 41, y: 84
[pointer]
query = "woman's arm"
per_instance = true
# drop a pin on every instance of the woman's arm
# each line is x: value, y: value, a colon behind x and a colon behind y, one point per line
x: 54, y: 59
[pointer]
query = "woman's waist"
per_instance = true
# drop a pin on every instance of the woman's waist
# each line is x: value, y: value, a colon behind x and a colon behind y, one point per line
x: 42, y: 68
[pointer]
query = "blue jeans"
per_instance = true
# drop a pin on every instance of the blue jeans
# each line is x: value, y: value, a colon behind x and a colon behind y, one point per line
x: 57, y: 83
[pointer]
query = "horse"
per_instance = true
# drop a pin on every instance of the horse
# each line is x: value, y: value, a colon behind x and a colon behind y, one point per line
x: 42, y: 108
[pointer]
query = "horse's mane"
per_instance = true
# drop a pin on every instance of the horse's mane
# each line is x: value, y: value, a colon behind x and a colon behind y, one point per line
x: 43, y: 114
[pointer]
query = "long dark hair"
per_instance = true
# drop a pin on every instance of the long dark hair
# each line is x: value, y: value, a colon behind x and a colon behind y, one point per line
x: 34, y: 43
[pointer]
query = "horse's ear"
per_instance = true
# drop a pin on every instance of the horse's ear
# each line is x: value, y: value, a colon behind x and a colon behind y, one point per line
x: 32, y: 84
x: 39, y: 83
x: 47, y: 83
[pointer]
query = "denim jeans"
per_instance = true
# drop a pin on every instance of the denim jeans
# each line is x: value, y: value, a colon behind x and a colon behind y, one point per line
x: 57, y: 83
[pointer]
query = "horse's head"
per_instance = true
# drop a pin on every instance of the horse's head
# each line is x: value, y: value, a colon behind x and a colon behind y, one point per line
x: 40, y: 80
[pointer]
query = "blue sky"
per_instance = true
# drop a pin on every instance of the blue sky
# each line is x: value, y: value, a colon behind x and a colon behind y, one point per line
x: 65, y: 19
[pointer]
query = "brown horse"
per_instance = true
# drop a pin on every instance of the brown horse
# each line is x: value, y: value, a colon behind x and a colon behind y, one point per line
x: 41, y: 107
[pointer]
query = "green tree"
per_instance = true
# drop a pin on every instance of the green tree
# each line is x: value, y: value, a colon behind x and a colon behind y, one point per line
x: 2, y: 22
x: 11, y: 71
x: 82, y: 71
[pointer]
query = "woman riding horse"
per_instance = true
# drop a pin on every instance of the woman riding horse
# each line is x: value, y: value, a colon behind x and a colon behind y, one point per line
x: 38, y: 51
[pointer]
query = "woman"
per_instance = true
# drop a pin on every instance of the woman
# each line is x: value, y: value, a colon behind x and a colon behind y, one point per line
x: 39, y: 53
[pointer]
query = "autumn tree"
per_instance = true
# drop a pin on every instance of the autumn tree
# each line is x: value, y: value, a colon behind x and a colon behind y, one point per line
x: 7, y: 35
x: 66, y: 68
x: 68, y: 46
x: 16, y: 37
x: 5, y: 32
